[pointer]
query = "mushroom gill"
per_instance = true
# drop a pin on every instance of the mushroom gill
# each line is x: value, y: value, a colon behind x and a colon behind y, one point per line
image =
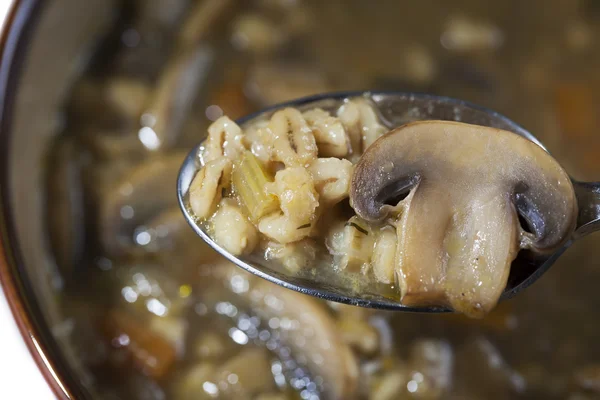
x: 455, y: 193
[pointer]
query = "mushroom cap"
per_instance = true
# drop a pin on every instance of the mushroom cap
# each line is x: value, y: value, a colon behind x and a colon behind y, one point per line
x: 467, y: 160
x: 455, y: 193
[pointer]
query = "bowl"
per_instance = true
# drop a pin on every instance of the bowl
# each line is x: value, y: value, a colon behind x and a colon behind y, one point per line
x: 536, y: 68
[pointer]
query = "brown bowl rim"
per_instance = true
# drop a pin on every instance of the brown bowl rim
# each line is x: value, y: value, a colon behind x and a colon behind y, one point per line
x: 19, y: 24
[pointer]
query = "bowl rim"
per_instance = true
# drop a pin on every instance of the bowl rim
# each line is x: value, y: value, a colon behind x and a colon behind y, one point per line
x: 20, y: 22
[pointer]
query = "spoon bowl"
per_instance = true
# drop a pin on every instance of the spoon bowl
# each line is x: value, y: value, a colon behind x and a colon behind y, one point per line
x: 395, y: 109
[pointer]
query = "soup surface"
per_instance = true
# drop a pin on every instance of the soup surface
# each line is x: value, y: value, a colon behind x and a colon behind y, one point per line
x: 152, y: 313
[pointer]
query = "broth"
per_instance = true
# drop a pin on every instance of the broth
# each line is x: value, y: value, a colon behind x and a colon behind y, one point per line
x: 153, y: 313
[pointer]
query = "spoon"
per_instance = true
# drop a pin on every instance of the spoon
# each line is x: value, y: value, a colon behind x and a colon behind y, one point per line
x: 396, y: 109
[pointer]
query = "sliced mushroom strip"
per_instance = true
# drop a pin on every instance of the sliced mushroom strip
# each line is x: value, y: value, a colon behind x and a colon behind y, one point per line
x: 313, y: 333
x: 134, y: 199
x: 299, y: 330
x: 458, y: 229
x: 184, y: 75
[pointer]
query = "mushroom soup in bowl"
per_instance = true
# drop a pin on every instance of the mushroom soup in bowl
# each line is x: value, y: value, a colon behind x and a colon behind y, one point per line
x: 126, y: 302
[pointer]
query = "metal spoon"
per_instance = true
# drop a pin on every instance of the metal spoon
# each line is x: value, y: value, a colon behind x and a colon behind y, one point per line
x: 395, y: 110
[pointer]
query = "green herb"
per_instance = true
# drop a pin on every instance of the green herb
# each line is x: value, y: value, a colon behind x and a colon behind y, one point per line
x: 358, y: 227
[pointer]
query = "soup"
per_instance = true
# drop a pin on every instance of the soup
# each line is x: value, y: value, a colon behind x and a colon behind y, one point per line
x: 153, y: 313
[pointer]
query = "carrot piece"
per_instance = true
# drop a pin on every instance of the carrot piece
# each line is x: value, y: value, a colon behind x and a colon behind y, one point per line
x: 150, y: 353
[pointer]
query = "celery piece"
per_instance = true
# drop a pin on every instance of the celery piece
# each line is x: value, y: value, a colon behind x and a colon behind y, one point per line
x: 249, y: 179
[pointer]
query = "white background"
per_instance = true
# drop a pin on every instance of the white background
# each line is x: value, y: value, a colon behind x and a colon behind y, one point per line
x: 20, y: 377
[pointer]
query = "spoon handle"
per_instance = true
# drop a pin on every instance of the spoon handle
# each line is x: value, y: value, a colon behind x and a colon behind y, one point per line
x: 588, y: 199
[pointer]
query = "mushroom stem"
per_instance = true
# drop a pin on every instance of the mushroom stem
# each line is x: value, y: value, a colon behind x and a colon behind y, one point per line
x: 458, y: 229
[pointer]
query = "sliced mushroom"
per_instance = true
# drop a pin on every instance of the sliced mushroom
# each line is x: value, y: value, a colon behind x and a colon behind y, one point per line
x: 136, y: 198
x: 459, y: 228
x: 302, y: 332
x: 315, y: 335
